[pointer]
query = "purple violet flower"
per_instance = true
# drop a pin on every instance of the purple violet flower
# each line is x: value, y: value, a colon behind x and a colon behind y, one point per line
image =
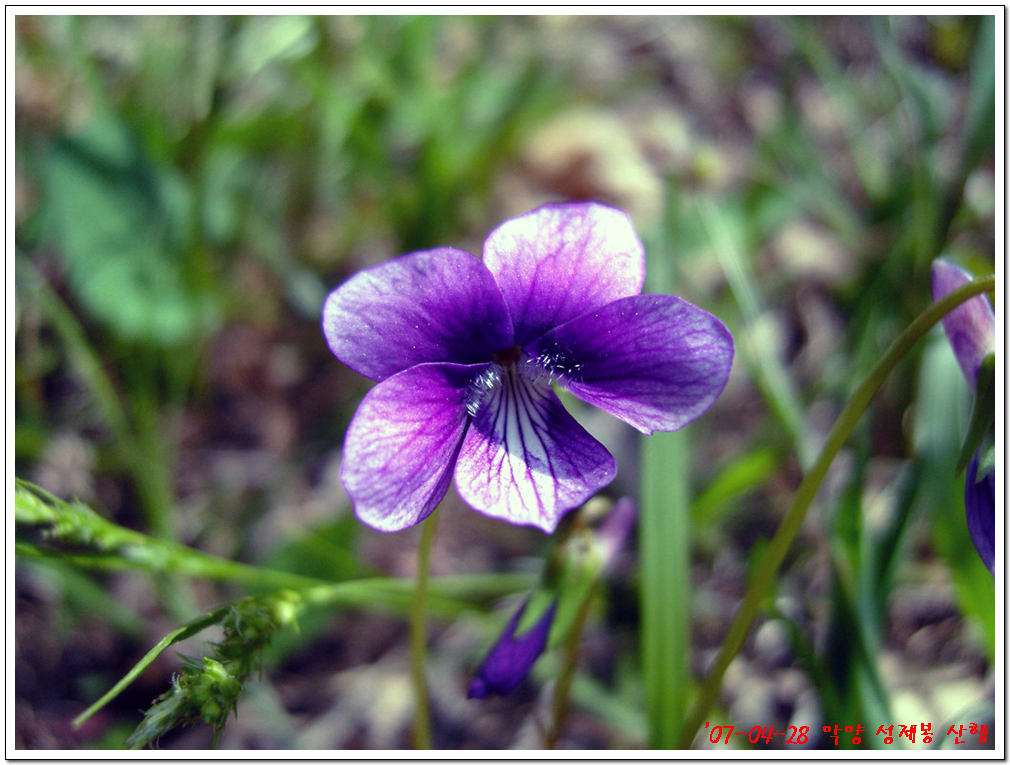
x: 512, y: 658
x: 971, y: 330
x: 465, y: 352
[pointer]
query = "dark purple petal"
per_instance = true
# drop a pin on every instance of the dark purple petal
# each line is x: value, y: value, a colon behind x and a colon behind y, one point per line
x: 525, y: 460
x: 655, y: 361
x: 511, y: 658
x: 971, y: 327
x: 402, y: 444
x: 560, y: 261
x: 980, y: 512
x: 437, y: 305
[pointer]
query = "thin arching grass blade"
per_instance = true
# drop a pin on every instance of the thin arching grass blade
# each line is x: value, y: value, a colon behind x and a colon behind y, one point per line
x: 187, y: 630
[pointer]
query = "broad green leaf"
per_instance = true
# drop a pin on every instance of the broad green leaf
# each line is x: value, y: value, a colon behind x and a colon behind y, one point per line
x: 121, y: 225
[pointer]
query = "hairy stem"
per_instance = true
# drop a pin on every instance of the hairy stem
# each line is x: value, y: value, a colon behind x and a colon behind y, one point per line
x: 780, y: 543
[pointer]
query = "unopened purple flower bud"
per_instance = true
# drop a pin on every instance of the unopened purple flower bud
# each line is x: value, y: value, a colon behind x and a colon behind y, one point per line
x: 971, y: 327
x: 971, y: 330
x: 512, y: 657
x: 615, y: 528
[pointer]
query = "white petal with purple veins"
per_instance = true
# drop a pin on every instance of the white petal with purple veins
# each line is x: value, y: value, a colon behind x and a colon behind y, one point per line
x: 525, y: 459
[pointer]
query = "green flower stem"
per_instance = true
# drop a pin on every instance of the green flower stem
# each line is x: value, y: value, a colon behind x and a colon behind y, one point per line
x: 569, y: 661
x: 418, y: 635
x: 780, y: 543
x: 285, y: 605
x: 50, y: 529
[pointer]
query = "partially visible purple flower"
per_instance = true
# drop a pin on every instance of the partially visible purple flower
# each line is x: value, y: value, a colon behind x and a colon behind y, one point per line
x: 980, y: 512
x: 466, y: 352
x: 511, y: 658
x: 971, y: 330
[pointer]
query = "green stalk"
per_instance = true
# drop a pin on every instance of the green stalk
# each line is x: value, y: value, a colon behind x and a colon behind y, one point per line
x: 50, y: 529
x: 418, y: 635
x: 664, y: 540
x: 779, y: 545
x: 569, y: 661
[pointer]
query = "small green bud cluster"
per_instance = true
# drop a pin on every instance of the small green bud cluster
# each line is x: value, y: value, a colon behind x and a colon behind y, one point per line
x: 207, y: 690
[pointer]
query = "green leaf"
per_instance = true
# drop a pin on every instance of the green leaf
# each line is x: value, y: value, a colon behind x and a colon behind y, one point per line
x: 122, y: 226
x: 769, y: 372
x: 980, y: 116
x: 986, y: 462
x: 942, y: 497
x: 742, y: 474
x: 664, y: 538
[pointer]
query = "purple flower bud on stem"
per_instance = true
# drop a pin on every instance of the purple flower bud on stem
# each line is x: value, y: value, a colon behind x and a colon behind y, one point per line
x: 971, y: 327
x: 512, y: 657
x: 615, y: 529
x: 971, y: 331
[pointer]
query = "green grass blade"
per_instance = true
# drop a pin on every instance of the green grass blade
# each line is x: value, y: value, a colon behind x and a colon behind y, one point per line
x: 185, y: 631
x: 746, y: 472
x: 664, y: 548
x: 770, y: 376
x: 664, y: 543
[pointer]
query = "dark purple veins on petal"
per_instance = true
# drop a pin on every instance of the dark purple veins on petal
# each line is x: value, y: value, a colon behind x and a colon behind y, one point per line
x: 655, y: 361
x: 402, y: 444
x: 525, y: 459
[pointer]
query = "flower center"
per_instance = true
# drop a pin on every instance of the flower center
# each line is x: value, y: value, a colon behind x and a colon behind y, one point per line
x: 508, y: 357
x: 511, y: 368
